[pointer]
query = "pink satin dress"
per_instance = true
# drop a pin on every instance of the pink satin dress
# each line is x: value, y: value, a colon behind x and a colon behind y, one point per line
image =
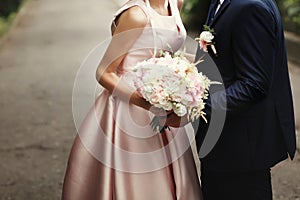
x: 116, y: 154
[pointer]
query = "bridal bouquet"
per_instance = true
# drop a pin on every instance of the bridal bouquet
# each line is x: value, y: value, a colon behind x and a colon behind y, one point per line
x: 172, y: 83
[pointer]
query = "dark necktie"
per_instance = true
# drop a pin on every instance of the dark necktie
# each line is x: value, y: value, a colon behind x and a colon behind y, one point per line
x: 212, y: 11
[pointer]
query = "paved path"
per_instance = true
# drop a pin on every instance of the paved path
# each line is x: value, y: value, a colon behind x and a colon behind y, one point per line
x: 39, y: 59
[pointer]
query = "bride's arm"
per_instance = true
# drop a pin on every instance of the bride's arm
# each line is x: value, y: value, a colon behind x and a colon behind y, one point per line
x: 129, y: 27
x: 180, y: 4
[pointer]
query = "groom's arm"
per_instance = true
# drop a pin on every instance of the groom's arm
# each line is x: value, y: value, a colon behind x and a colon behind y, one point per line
x: 253, y: 43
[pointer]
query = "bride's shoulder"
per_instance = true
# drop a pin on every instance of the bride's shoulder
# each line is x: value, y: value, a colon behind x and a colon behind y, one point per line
x: 140, y: 3
x: 133, y: 8
x: 179, y: 3
x: 134, y: 14
x: 131, y: 16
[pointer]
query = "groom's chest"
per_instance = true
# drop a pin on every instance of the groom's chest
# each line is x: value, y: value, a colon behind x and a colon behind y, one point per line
x: 225, y: 29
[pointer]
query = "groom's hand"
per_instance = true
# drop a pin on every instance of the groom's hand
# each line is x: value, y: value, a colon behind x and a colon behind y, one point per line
x: 173, y: 120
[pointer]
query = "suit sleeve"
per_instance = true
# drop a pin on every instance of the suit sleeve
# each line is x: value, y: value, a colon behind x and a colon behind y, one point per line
x: 253, y: 43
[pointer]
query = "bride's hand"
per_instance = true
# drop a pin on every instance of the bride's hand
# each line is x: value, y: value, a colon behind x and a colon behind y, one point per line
x: 138, y: 100
x: 173, y: 120
x: 160, y: 112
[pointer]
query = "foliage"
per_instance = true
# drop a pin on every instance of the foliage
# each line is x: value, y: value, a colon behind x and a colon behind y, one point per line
x: 290, y: 10
x: 8, y: 6
x: 8, y: 9
x: 6, y: 22
x: 194, y: 13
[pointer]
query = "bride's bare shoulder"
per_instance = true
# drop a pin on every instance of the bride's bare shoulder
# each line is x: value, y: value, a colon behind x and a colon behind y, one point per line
x: 133, y: 17
x: 180, y: 4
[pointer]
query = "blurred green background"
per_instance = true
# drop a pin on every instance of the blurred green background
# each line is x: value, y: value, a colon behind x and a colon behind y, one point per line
x: 8, y: 10
x: 195, y: 11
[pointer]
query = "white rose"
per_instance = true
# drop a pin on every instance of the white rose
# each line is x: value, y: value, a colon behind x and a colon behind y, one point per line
x: 206, y: 36
x: 180, y: 109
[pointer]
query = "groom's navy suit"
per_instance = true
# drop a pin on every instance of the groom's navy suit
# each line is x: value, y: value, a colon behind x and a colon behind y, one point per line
x: 259, y: 129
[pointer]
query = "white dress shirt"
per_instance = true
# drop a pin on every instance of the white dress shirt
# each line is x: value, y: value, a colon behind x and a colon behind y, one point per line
x: 219, y: 5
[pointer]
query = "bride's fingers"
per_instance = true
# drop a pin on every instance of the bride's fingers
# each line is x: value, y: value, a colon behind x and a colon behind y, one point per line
x: 168, y: 112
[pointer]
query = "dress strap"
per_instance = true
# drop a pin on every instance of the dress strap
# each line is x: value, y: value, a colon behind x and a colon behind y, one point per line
x: 176, y: 14
x: 152, y: 27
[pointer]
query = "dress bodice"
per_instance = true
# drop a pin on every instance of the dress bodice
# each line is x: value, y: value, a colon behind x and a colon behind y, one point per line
x: 165, y: 33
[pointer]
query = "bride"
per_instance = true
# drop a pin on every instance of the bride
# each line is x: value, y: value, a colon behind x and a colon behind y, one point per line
x: 116, y: 154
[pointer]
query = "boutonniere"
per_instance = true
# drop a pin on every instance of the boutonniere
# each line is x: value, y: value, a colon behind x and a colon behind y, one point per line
x: 206, y: 39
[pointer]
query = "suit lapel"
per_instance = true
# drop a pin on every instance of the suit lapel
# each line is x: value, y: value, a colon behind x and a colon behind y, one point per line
x: 211, y: 11
x: 222, y: 9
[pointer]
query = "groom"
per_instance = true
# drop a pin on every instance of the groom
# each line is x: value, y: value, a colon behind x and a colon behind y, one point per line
x: 259, y: 129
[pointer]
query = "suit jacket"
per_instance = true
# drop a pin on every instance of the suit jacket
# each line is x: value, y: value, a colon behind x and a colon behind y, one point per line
x: 259, y: 129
